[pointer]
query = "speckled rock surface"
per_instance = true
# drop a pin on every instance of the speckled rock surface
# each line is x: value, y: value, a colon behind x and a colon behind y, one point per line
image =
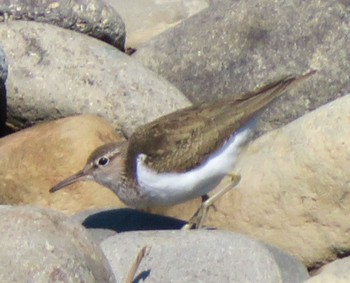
x: 233, y: 46
x: 93, y: 17
x: 40, y: 245
x: 69, y: 73
x: 201, y: 256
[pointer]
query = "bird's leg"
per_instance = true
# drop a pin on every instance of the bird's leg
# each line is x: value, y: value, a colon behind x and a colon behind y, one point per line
x: 205, y: 197
x: 197, y: 220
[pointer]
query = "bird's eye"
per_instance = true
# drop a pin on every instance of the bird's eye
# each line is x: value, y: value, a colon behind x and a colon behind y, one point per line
x: 103, y: 161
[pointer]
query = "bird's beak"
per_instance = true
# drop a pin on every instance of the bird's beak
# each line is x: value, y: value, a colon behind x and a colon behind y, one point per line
x: 79, y: 176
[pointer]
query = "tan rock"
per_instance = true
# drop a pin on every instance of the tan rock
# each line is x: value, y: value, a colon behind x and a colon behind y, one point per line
x: 182, y: 211
x: 35, y: 159
x: 294, y: 192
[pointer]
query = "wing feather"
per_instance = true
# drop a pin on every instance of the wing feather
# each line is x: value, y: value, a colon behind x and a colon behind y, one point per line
x: 185, y: 138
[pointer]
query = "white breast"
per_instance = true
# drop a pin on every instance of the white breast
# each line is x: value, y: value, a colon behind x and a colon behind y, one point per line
x: 174, y: 188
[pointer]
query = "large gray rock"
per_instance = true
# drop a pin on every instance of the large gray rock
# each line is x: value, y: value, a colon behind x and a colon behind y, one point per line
x: 69, y: 73
x: 201, y: 256
x: 93, y: 17
x: 39, y: 245
x: 235, y: 45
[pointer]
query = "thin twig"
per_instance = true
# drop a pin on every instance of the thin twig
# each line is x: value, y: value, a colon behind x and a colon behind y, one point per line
x: 142, y: 253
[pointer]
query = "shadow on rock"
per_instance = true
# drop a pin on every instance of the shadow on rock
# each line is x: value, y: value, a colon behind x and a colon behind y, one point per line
x: 126, y: 219
x: 142, y: 276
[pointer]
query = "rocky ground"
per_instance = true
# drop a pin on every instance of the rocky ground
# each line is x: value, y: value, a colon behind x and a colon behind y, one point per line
x: 67, y: 86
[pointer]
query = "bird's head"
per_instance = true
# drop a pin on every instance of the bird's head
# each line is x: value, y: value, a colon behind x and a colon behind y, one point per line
x: 105, y: 166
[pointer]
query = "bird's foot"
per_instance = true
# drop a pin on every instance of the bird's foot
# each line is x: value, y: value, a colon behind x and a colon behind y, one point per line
x: 197, y: 220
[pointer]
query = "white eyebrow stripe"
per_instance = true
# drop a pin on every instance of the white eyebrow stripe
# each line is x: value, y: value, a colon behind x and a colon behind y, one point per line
x: 111, y: 154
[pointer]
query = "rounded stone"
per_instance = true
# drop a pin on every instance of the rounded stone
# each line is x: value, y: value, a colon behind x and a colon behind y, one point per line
x: 93, y: 17
x: 39, y: 245
x: 294, y: 187
x: 68, y: 73
x: 35, y: 159
x: 201, y: 256
x: 234, y: 46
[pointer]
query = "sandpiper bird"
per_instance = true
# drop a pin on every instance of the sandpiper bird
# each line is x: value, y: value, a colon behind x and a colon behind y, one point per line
x: 182, y: 155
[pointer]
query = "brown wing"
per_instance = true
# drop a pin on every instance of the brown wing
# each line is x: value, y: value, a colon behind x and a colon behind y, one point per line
x: 185, y: 138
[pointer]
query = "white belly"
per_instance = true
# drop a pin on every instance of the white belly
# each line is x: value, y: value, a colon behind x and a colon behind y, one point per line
x: 174, y: 188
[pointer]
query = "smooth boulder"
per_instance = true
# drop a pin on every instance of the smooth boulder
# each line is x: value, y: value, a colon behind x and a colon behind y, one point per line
x: 201, y: 256
x: 93, y: 17
x: 293, y: 191
x: 69, y: 73
x: 35, y: 159
x: 233, y: 46
x: 40, y: 245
